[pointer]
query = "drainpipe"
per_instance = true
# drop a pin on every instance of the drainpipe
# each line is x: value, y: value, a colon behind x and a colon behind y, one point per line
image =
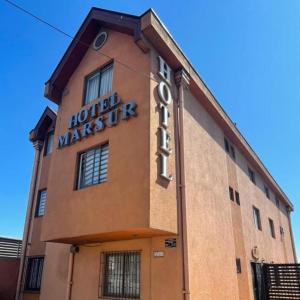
x: 182, y: 82
x: 73, y: 249
x: 292, y: 235
x: 38, y: 145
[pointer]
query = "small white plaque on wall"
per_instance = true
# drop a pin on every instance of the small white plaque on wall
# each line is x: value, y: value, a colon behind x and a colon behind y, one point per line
x: 158, y: 253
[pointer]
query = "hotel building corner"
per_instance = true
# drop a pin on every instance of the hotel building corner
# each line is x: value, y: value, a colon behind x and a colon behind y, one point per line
x: 142, y: 187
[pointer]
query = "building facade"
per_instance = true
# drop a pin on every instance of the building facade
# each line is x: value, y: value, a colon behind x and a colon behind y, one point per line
x: 142, y: 186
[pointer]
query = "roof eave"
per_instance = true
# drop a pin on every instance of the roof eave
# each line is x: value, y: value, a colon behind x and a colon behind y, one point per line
x: 47, y: 120
x: 95, y: 19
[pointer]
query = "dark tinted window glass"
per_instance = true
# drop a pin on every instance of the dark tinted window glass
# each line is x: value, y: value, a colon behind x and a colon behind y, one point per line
x: 238, y: 265
x: 237, y: 198
x: 231, y: 194
x: 272, y: 228
x: 251, y: 175
x: 34, y: 273
x: 122, y: 275
x: 226, y: 145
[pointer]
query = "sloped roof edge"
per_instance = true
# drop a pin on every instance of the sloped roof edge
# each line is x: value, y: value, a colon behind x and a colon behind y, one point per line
x: 48, y: 118
x: 91, y: 25
x: 157, y: 33
x: 150, y: 25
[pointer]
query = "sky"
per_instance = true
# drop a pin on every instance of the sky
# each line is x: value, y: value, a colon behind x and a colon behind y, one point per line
x: 247, y: 52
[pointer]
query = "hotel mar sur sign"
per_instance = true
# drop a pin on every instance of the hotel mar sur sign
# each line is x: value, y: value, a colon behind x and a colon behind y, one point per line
x: 111, y: 110
x: 106, y: 112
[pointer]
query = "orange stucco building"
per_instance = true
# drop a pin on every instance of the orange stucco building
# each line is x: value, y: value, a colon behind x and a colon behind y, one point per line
x: 142, y: 186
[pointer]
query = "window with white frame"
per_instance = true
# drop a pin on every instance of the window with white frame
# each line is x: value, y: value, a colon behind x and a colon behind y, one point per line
x: 49, y: 143
x: 92, y: 168
x: 98, y: 84
x: 41, y: 203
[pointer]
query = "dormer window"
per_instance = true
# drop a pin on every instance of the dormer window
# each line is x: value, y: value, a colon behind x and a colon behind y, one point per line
x: 98, y: 84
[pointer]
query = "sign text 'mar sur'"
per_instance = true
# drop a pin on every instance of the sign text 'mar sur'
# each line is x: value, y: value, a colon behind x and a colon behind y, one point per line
x: 106, y: 112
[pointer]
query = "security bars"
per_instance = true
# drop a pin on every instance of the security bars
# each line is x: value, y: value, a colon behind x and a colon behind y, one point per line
x: 93, y: 166
x: 41, y: 202
x: 120, y: 275
x: 34, y: 273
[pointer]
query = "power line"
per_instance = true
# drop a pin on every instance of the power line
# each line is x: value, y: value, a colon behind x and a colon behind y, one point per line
x: 39, y: 19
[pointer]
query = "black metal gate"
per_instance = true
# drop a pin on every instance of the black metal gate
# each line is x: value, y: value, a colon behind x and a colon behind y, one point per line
x: 282, y: 281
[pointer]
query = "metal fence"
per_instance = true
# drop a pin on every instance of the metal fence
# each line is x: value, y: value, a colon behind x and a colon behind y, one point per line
x: 10, y: 248
x: 282, y: 281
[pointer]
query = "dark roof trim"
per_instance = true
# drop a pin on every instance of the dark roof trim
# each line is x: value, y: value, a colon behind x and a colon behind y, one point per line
x: 46, y: 121
x: 96, y: 19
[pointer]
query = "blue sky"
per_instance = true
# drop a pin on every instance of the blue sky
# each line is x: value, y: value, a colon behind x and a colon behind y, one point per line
x: 246, y: 51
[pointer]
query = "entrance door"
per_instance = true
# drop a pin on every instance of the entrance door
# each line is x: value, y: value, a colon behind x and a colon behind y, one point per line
x: 258, y: 281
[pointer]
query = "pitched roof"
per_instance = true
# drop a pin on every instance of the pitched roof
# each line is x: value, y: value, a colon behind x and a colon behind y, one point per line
x: 149, y: 25
x: 47, y: 120
x: 95, y: 19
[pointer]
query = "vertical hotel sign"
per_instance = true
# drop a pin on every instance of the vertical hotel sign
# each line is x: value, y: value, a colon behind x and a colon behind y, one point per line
x: 165, y: 100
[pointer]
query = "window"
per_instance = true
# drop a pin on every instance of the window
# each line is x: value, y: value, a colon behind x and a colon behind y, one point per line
x: 277, y: 202
x: 49, y: 143
x: 232, y: 152
x: 121, y: 275
x: 256, y: 218
x: 41, y: 202
x: 229, y: 148
x: 237, y: 198
x: 100, y: 40
x: 34, y: 273
x: 281, y: 233
x: 251, y: 175
x: 93, y: 166
x: 98, y: 84
x: 272, y: 229
x: 238, y: 266
x: 231, y: 195
x: 267, y: 192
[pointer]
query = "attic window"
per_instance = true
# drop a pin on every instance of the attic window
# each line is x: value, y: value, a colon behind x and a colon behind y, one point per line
x: 100, y: 40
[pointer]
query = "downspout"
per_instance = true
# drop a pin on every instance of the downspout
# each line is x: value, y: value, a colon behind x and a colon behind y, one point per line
x: 73, y: 249
x: 182, y: 81
x: 29, y: 214
x: 292, y: 235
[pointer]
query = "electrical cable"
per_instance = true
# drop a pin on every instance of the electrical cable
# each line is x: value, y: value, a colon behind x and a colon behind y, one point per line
x: 73, y: 38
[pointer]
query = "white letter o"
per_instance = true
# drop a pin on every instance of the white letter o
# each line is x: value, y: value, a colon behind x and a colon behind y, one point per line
x: 164, y: 93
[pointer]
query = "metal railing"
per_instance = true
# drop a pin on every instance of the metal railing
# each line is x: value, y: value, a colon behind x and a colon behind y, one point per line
x: 282, y: 281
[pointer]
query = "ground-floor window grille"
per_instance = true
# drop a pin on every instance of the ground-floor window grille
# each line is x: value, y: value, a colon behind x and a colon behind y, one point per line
x: 34, y: 273
x: 121, y: 275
